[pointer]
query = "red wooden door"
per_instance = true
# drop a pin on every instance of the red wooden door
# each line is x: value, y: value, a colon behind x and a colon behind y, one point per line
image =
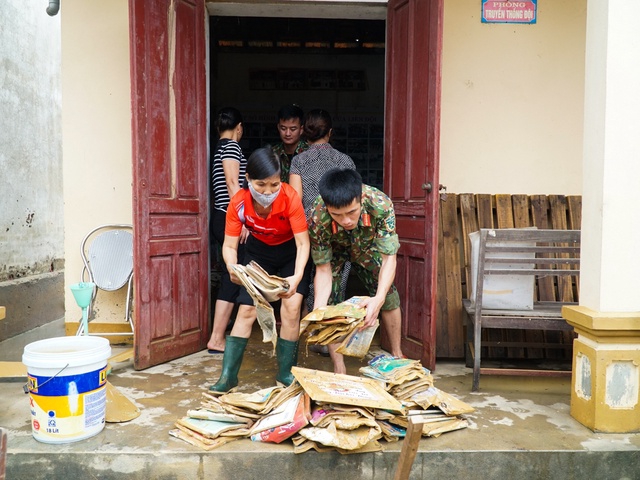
x: 170, y: 186
x: 412, y: 130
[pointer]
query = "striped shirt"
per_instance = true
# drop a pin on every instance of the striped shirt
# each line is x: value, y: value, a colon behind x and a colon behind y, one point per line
x: 226, y: 150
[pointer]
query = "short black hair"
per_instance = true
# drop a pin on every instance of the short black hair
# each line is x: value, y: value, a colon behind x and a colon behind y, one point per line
x: 340, y: 187
x: 227, y: 118
x: 263, y: 163
x: 317, y: 124
x: 287, y: 112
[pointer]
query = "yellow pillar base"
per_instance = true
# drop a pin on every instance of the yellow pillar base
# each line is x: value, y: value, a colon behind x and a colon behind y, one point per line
x: 605, y: 382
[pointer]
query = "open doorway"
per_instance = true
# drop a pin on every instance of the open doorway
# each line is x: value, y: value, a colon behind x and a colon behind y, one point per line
x: 259, y: 64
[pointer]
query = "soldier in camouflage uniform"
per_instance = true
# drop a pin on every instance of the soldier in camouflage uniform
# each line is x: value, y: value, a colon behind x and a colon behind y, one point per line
x: 290, y: 120
x: 355, y: 222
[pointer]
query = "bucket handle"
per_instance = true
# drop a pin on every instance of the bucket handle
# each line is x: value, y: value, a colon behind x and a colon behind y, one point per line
x: 26, y: 389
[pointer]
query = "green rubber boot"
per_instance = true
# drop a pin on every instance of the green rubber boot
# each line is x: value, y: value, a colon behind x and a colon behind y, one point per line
x: 287, y: 353
x: 233, y: 353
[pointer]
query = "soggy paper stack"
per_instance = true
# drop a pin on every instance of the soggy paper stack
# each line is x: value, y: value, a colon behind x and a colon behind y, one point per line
x: 342, y: 324
x: 408, y: 381
x: 402, y: 377
x: 285, y: 420
x: 270, y: 415
x: 345, y: 429
x: 324, y: 411
x: 263, y: 288
x: 344, y: 416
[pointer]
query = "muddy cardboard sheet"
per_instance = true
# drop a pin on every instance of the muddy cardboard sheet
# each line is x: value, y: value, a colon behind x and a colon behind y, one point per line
x: 328, y: 387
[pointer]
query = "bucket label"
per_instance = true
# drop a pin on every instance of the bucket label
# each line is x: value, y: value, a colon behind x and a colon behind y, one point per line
x: 94, y: 404
x: 66, y: 408
x: 66, y: 385
x: 70, y: 417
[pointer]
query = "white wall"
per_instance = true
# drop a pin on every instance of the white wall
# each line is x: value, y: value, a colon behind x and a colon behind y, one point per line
x: 96, y: 128
x: 512, y: 101
x: 31, y: 203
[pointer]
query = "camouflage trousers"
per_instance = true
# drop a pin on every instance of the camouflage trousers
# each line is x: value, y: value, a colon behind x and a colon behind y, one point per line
x: 368, y: 271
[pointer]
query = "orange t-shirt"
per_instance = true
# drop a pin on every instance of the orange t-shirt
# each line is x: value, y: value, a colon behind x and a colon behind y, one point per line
x: 286, y: 218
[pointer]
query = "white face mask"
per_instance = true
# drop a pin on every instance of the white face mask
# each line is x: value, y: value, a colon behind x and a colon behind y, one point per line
x: 264, y: 199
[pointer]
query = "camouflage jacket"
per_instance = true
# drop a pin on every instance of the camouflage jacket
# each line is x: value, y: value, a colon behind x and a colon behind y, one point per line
x: 285, y: 161
x: 374, y: 235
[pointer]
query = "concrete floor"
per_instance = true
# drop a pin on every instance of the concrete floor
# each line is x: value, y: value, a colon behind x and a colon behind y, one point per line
x: 522, y: 428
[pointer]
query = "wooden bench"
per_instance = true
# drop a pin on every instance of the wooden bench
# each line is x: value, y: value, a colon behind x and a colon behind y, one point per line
x: 551, y: 256
x: 463, y: 213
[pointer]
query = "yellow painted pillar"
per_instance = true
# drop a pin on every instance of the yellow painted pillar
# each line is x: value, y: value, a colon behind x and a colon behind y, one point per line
x: 605, y: 382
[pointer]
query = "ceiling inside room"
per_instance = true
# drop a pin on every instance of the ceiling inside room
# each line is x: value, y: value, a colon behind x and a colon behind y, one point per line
x: 354, y: 9
x: 253, y: 33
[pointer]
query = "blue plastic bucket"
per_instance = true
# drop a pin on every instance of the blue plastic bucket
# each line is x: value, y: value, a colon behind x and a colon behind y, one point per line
x: 67, y: 379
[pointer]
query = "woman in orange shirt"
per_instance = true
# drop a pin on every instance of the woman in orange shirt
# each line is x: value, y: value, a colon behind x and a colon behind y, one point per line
x: 279, y: 242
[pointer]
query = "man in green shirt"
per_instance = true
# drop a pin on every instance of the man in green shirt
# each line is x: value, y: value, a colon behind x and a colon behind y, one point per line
x: 354, y: 222
x: 290, y: 119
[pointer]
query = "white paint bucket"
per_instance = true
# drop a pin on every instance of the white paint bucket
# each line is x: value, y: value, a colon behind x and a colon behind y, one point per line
x: 67, y: 378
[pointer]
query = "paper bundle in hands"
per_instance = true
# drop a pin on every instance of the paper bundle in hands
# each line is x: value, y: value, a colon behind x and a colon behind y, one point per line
x: 263, y: 288
x: 342, y: 324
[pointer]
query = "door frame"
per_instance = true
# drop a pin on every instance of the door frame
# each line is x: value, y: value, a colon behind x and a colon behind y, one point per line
x: 346, y: 9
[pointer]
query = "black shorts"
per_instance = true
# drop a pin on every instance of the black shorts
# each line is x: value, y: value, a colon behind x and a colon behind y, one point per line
x: 276, y: 260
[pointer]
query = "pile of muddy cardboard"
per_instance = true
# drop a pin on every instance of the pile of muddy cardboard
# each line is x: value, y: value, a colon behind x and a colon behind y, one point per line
x: 325, y: 411
x: 272, y: 415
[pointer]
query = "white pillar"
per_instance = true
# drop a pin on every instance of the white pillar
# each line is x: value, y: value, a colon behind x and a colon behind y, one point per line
x: 610, y: 266
x: 605, y: 393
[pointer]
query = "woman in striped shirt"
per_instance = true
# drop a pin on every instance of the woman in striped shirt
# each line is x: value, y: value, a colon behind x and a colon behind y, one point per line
x: 228, y: 169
